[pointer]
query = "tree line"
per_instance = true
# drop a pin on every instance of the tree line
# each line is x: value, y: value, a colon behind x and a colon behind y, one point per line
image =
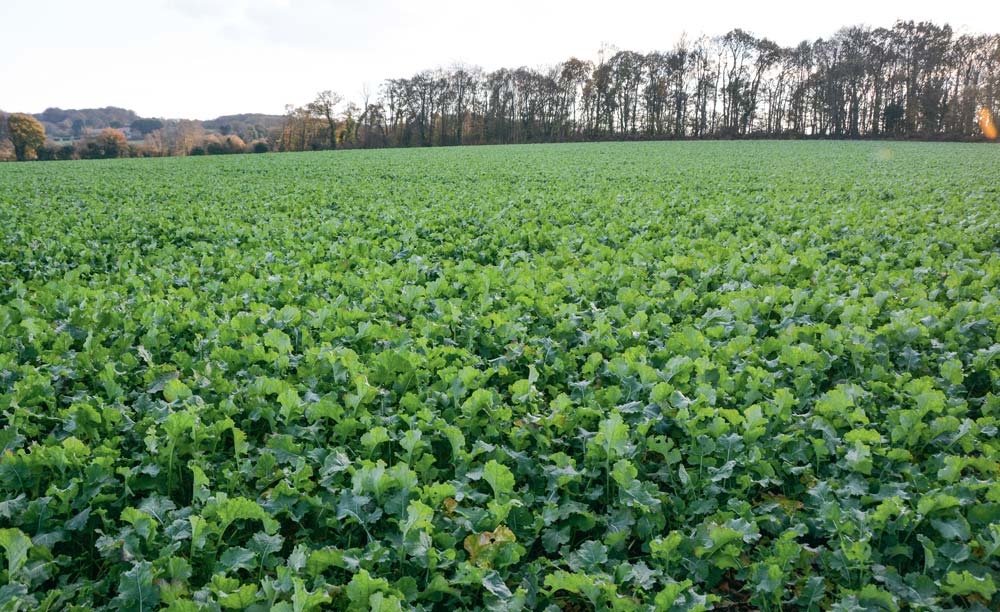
x: 911, y: 80
x: 25, y: 139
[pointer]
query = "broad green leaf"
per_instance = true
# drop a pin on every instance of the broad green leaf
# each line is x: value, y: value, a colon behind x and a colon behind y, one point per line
x: 175, y: 390
x: 15, y: 545
x: 278, y: 340
x: 136, y: 591
x: 965, y: 583
x: 361, y: 588
x: 612, y: 436
x: 499, y: 477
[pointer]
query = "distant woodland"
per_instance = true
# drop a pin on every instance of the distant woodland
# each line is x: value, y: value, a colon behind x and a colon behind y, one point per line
x: 909, y: 81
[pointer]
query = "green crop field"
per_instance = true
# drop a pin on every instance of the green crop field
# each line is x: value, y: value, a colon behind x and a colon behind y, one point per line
x: 631, y: 376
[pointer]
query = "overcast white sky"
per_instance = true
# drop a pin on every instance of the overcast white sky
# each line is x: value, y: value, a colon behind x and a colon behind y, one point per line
x: 203, y: 58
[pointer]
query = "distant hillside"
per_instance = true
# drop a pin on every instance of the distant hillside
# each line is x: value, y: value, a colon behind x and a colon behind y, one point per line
x: 251, y: 118
x: 70, y: 123
x: 75, y: 123
x: 248, y: 126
